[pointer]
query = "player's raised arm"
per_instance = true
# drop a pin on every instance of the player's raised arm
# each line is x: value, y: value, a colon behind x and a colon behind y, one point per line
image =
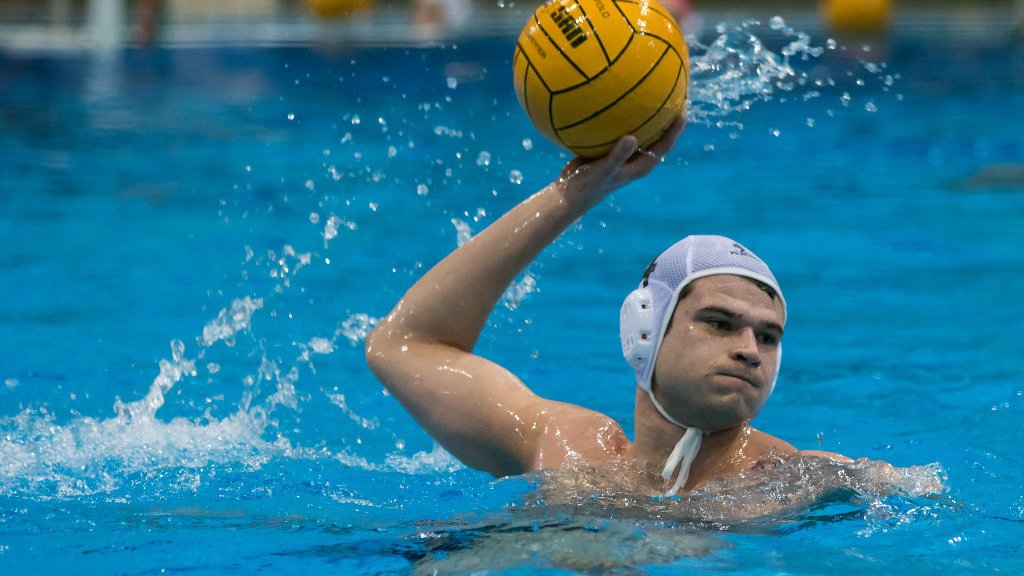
x: 422, y: 350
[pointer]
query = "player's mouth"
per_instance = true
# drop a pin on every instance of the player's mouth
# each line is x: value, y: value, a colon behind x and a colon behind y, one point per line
x: 748, y: 378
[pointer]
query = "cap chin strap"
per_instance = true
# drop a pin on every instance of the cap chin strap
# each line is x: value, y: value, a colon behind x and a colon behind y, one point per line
x: 683, y: 454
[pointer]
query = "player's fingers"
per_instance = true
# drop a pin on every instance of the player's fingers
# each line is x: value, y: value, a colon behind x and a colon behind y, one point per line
x: 664, y: 144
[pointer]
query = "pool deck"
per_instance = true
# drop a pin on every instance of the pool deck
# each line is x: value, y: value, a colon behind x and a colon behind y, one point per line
x: 269, y: 23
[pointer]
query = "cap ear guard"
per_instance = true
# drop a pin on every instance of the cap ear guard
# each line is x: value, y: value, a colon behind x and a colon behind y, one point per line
x: 636, y: 328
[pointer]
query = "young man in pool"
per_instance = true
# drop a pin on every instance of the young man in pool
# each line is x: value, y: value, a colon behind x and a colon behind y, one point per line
x: 708, y: 311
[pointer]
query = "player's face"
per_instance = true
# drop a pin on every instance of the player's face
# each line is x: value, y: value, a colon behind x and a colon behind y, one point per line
x: 720, y: 353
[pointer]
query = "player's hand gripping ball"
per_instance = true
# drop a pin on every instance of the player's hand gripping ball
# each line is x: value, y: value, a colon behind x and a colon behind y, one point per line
x: 588, y: 72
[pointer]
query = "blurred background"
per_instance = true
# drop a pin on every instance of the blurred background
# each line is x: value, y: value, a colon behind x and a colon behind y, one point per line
x: 77, y: 24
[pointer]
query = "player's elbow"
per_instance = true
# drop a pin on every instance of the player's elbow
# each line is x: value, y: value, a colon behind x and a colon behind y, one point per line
x: 376, y: 346
x: 385, y: 349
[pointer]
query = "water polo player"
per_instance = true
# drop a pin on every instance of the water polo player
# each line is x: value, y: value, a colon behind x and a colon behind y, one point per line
x: 702, y: 332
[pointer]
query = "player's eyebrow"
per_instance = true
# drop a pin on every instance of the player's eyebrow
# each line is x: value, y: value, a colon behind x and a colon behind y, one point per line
x: 733, y: 315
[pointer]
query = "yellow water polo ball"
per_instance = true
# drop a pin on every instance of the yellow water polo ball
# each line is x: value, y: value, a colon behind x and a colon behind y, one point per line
x: 856, y: 16
x: 588, y: 72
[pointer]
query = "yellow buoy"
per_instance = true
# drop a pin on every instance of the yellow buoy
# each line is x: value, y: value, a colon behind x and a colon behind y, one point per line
x: 857, y: 16
x: 332, y: 9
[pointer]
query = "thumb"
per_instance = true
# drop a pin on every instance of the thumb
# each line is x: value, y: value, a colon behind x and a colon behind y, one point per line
x: 622, y: 150
x: 612, y: 162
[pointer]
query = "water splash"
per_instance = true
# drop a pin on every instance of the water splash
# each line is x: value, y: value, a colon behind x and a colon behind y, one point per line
x: 92, y: 455
x: 231, y: 321
x: 592, y: 523
x: 333, y: 225
x: 463, y: 233
x: 518, y: 290
x: 774, y: 497
x: 736, y: 69
x: 357, y: 327
x: 437, y: 460
x: 86, y: 456
x: 47, y: 458
x: 367, y: 423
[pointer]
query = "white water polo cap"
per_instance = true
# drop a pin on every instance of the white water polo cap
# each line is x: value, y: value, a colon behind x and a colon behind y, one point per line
x: 647, y: 311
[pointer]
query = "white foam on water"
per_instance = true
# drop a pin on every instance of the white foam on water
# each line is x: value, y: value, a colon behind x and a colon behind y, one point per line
x: 91, y: 455
x: 438, y: 460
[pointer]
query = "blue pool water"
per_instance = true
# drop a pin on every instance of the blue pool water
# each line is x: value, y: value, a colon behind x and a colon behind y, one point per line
x: 196, y: 241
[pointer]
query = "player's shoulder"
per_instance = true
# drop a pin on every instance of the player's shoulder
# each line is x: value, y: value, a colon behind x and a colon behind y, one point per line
x: 764, y: 444
x: 824, y: 454
x: 768, y: 444
x: 568, y: 432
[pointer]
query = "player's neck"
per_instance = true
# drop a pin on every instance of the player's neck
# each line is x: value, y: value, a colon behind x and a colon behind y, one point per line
x: 655, y: 437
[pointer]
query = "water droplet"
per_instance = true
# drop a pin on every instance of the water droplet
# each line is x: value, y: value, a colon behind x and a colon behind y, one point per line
x: 314, y: 218
x: 422, y: 190
x: 392, y: 151
x: 356, y: 119
x: 515, y: 177
x: 453, y: 82
x: 291, y: 116
x: 777, y: 23
x: 870, y: 107
x: 810, y: 122
x: 527, y: 144
x: 310, y: 185
x: 484, y: 158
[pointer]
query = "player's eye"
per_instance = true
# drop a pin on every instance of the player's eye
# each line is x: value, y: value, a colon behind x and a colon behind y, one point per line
x: 718, y: 324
